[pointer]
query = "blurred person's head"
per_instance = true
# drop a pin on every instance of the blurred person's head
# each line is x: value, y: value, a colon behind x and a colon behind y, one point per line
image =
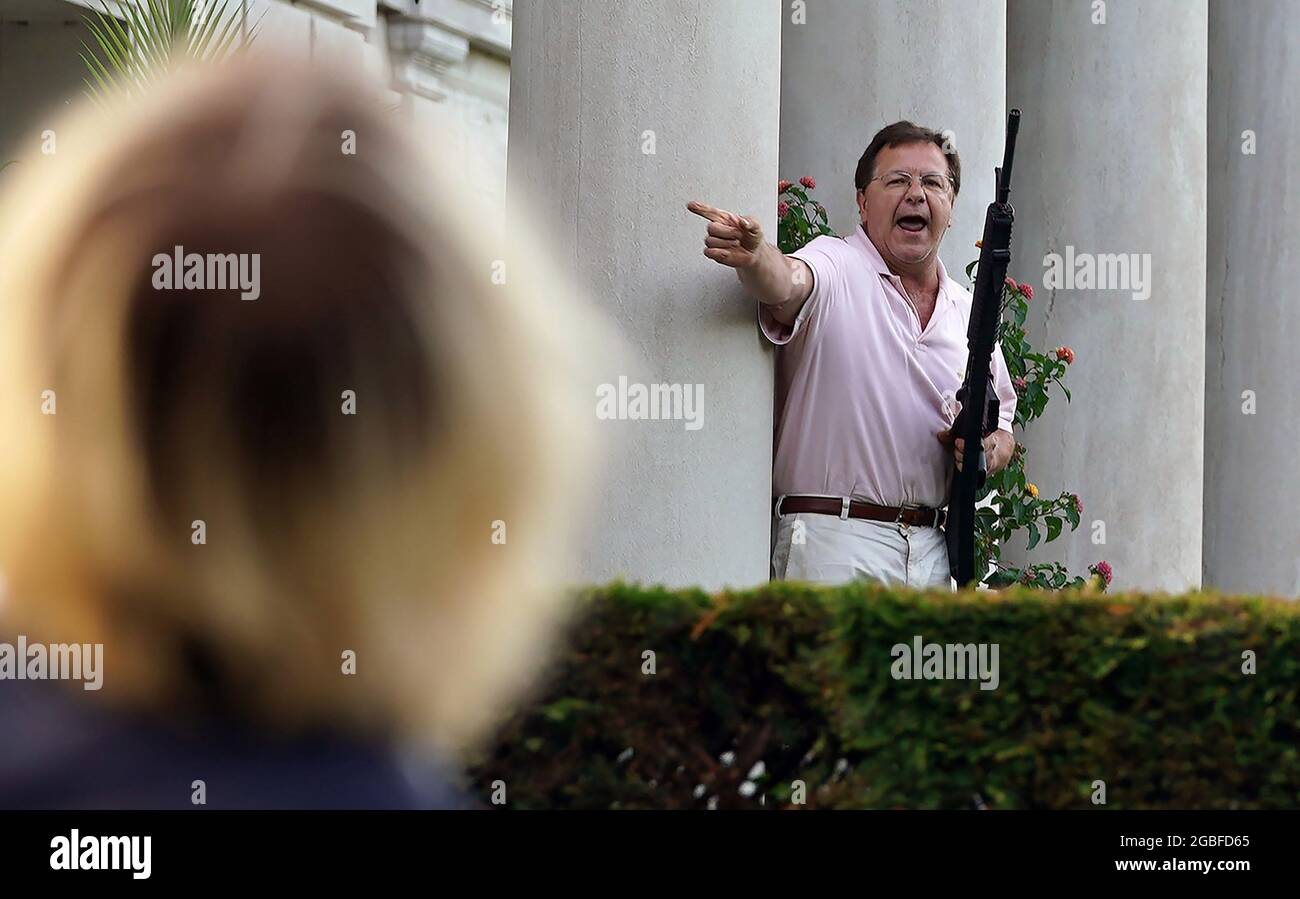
x: 376, y: 455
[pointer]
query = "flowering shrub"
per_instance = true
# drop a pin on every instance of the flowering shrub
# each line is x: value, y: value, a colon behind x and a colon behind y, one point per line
x: 1016, y: 503
x: 798, y: 218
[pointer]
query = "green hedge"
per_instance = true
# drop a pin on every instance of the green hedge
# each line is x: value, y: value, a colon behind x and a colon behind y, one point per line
x: 1145, y: 693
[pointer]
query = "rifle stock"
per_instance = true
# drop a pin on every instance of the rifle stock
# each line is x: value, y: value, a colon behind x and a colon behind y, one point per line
x: 974, y: 421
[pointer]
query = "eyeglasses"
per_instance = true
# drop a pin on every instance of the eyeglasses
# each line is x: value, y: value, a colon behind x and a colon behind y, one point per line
x: 936, y: 184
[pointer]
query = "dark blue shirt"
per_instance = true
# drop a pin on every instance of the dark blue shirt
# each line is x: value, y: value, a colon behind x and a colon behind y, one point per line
x: 60, y: 750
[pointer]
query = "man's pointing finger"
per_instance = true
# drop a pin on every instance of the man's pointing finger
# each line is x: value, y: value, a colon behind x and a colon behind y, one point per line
x: 707, y: 211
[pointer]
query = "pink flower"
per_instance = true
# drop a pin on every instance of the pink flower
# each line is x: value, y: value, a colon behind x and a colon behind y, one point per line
x: 1011, y: 283
x: 1065, y: 354
x: 782, y: 209
x: 808, y: 182
x: 1103, y: 570
x: 1078, y: 504
x: 1027, y: 290
x: 1020, y: 384
x: 782, y: 186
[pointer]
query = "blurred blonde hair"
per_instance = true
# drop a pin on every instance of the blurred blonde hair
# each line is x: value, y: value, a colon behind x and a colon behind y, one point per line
x: 325, y: 532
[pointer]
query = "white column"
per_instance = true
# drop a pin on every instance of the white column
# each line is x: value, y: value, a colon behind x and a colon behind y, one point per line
x: 1252, y: 418
x: 1112, y: 160
x: 850, y: 67
x: 619, y: 114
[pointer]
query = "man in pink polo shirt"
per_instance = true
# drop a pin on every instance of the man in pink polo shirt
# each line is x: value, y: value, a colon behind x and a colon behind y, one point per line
x: 872, y: 349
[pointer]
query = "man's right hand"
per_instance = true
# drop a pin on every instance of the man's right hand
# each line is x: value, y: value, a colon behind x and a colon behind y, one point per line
x: 732, y: 240
x: 780, y: 283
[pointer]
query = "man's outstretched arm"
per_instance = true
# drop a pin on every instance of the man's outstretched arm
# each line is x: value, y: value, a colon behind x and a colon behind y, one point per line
x: 781, y: 283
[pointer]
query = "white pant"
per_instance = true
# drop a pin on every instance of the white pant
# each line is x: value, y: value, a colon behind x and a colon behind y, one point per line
x: 827, y: 549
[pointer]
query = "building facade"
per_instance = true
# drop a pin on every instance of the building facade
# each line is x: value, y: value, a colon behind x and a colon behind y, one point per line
x: 447, y: 62
x: 1154, y: 144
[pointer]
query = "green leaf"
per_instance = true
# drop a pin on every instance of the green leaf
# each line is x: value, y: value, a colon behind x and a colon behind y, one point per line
x: 1003, y: 578
x: 1053, y: 527
x: 1034, y: 536
x: 151, y: 37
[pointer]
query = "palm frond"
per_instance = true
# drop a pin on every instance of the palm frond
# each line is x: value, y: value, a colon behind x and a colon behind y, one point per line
x: 147, y: 39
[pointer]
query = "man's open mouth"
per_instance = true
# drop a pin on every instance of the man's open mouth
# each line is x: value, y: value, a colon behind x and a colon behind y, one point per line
x: 912, y: 222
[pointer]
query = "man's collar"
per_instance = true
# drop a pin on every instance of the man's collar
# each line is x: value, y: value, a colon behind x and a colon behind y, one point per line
x: 860, y: 239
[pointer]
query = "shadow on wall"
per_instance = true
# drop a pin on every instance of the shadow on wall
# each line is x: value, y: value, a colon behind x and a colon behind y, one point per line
x: 40, y: 71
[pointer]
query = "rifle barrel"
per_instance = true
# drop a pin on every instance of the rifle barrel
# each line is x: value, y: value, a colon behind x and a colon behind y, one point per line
x: 1008, y: 156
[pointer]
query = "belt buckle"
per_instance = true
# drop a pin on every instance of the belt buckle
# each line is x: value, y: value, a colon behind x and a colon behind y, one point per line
x: 898, y: 519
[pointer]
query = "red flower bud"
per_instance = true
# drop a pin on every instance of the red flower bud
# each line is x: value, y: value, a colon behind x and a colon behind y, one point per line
x: 808, y: 182
x: 782, y: 186
x: 1011, y: 282
x: 1065, y: 354
x: 782, y: 209
x: 1027, y: 290
x: 1103, y: 569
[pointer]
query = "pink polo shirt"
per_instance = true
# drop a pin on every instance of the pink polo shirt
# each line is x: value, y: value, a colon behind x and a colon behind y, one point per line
x: 861, y: 388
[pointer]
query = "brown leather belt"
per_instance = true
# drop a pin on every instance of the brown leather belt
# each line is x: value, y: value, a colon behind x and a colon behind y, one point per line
x: 916, y: 516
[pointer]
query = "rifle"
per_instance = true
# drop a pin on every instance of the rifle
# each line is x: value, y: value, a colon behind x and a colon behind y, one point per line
x: 985, y: 313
